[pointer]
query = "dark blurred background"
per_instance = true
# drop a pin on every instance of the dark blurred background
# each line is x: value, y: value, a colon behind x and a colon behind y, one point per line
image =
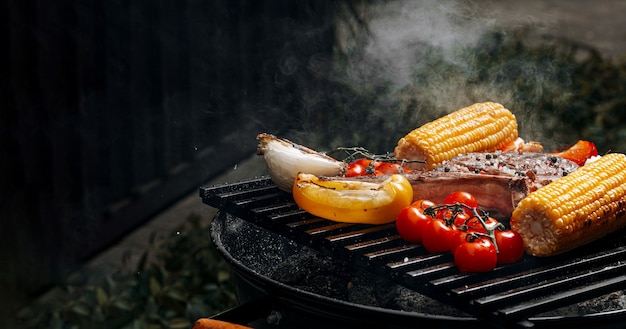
x: 113, y: 110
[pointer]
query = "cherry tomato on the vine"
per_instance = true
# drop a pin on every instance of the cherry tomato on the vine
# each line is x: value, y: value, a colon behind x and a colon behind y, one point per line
x: 475, y: 225
x: 359, y: 167
x: 411, y: 221
x: 438, y: 237
x: 423, y: 204
x: 462, y: 198
x: 478, y: 244
x: 510, y: 246
x: 363, y: 162
x: 388, y: 168
x: 476, y: 256
x: 457, y: 219
x: 459, y: 238
x: 444, y: 214
x: 366, y: 167
x: 355, y: 169
x: 461, y: 219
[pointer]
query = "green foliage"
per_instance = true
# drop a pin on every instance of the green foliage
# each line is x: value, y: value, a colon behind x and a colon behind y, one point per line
x: 177, y: 282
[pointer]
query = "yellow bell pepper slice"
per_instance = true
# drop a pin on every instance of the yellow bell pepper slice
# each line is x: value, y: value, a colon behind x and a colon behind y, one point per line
x: 353, y: 201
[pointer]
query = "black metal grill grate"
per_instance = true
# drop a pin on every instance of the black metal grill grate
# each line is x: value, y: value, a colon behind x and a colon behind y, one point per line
x: 511, y: 294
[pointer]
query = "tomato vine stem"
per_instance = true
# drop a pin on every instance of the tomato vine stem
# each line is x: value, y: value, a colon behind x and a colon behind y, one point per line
x: 353, y: 153
x: 476, y: 213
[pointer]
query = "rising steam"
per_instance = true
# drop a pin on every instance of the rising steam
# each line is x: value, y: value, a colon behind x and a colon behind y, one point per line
x: 402, y: 30
x: 424, y: 59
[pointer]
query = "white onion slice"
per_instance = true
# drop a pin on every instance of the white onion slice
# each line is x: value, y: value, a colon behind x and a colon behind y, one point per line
x: 285, y: 159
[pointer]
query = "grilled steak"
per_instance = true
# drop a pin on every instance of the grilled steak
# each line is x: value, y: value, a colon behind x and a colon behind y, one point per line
x: 498, y: 180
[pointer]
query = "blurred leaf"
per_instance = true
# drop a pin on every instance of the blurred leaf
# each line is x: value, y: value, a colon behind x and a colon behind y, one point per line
x: 176, y: 295
x: 122, y: 304
x: 97, y: 315
x: 223, y: 276
x: 210, y: 287
x: 55, y: 321
x: 80, y: 309
x: 179, y: 323
x: 110, y: 283
x: 136, y: 323
x: 155, y: 286
x: 101, y: 296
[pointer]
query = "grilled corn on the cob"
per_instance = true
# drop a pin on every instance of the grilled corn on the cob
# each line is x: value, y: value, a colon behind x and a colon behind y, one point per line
x: 576, y: 209
x: 482, y: 127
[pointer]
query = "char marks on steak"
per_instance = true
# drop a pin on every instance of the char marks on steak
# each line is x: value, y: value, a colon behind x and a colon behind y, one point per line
x: 498, y: 180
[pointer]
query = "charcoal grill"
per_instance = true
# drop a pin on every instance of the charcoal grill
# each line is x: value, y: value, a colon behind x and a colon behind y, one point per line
x: 515, y: 295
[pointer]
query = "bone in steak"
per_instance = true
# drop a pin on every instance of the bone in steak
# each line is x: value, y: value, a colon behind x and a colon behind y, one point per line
x: 498, y: 180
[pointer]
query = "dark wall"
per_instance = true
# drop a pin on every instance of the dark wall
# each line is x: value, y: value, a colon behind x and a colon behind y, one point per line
x: 112, y: 110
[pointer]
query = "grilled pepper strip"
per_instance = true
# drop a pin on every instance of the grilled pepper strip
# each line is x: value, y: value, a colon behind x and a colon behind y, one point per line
x: 353, y: 201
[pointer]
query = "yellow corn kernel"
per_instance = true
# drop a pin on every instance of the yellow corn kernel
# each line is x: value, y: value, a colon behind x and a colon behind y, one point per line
x: 482, y: 127
x: 596, y: 206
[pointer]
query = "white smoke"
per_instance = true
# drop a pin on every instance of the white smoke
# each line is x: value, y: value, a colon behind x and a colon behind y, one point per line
x: 427, y: 56
x: 401, y: 29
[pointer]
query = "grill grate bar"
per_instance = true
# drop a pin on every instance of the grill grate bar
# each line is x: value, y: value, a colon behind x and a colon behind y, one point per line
x: 364, y: 246
x: 537, y: 275
x: 395, y: 252
x: 428, y: 272
x: 420, y: 261
x: 508, y: 294
x: 561, y: 283
x: 306, y: 222
x: 232, y: 194
x: 567, y: 297
x: 329, y: 229
x: 258, y: 201
x: 360, y: 233
x: 278, y: 211
x: 259, y: 191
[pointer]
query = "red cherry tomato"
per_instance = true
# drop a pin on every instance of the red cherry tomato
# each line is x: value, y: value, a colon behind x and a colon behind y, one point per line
x: 387, y: 168
x: 474, y: 224
x: 355, y: 169
x: 460, y: 219
x: 510, y: 246
x: 476, y: 256
x: 410, y: 223
x: 359, y: 167
x: 437, y: 236
x: 363, y: 162
x: 423, y: 204
x: 363, y: 167
x: 462, y: 198
x: 444, y: 214
x: 459, y: 238
x: 448, y: 214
